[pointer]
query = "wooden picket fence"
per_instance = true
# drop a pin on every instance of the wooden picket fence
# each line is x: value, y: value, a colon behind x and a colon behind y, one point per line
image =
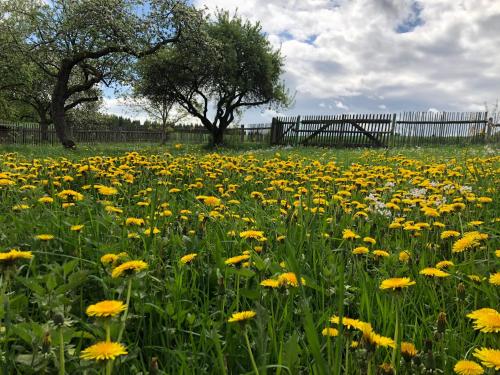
x: 30, y: 134
x: 385, y: 130
x: 347, y: 130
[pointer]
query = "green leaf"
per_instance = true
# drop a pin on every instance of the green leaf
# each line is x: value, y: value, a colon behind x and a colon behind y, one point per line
x: 51, y: 282
x: 68, y: 267
x: 243, y: 272
x: 75, y: 280
x: 250, y: 293
x: 32, y: 285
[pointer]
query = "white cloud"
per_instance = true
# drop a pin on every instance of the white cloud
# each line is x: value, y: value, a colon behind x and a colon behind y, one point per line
x: 350, y: 51
x: 341, y: 105
x: 123, y: 107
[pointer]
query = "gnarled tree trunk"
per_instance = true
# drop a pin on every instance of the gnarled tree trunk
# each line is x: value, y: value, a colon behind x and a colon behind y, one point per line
x: 217, y: 137
x: 58, y: 111
x: 44, y: 129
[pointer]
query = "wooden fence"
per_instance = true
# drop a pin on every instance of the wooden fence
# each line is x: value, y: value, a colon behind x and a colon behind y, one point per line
x: 385, y: 130
x: 338, y: 130
x: 348, y: 130
x: 30, y: 134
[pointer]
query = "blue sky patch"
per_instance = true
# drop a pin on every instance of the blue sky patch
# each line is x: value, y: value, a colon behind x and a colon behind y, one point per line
x: 412, y: 21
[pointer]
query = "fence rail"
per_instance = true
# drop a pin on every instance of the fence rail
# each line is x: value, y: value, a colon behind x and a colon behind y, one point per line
x: 347, y: 130
x: 385, y: 130
x: 30, y: 134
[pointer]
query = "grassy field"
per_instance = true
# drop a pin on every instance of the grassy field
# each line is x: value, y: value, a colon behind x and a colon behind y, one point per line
x: 265, y: 261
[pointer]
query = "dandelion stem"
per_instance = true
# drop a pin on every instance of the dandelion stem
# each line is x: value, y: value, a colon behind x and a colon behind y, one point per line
x: 346, y: 366
x: 125, y: 313
x: 397, y: 339
x: 369, y: 370
x: 254, y: 365
x: 108, y: 332
x: 62, y: 369
x: 6, y: 309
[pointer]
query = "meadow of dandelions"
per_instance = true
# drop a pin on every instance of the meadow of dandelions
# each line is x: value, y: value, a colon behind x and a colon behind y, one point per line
x: 265, y: 262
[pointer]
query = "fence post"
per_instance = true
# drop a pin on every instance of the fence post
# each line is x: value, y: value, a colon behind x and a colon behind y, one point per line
x: 242, y: 133
x: 297, y: 126
x: 393, y: 128
x: 486, y: 129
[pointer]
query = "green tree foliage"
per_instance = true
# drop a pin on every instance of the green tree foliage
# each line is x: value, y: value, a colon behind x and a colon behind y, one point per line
x: 228, y: 65
x: 81, y: 43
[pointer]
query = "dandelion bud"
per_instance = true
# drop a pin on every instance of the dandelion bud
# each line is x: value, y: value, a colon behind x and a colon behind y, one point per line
x: 58, y: 319
x: 428, y: 345
x: 441, y: 322
x: 430, y: 362
x: 417, y: 360
x: 461, y: 291
x: 153, y: 366
x: 385, y: 368
x: 46, y: 342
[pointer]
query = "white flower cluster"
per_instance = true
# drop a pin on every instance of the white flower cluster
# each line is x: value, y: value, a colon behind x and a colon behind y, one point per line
x: 377, y: 206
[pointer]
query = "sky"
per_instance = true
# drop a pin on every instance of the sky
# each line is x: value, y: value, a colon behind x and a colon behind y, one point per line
x: 372, y: 56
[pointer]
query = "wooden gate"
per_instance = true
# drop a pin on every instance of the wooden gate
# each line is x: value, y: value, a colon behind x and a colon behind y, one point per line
x: 334, y: 131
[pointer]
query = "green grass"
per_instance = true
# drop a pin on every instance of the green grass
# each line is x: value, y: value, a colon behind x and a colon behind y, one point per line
x: 178, y: 314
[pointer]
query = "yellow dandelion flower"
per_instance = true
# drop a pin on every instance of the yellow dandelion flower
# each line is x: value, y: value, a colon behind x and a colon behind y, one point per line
x: 449, y: 233
x: 211, y: 201
x: 134, y: 221
x: 188, y: 258
x: 360, y: 250
x: 468, y: 241
x: 290, y: 279
x: 331, y: 332
x: 106, y: 309
x: 378, y: 340
x: 242, y: 316
x: 475, y: 278
x: 465, y: 367
x: 110, y: 258
x: 44, y: 237
x: 489, y: 357
x: 13, y: 255
x: 433, y: 272
x: 270, y: 283
x: 132, y: 266
x: 103, y: 351
x: 6, y: 182
x: 486, y: 320
x: 495, y: 279
x: 46, y: 200
x: 444, y: 264
x: 485, y: 199
x: 408, y: 349
x: 70, y: 194
x: 404, y: 256
x: 380, y: 253
x: 150, y: 231
x: 348, y: 234
x: 370, y: 240
x: 105, y: 190
x: 76, y: 228
x: 237, y: 259
x: 396, y: 283
x: 255, y: 234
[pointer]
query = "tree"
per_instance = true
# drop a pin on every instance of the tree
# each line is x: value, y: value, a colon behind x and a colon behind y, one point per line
x: 80, y: 43
x: 159, y: 107
x: 23, y: 82
x: 227, y: 66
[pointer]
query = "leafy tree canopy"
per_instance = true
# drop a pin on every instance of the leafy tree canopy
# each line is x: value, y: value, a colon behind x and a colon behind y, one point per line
x: 228, y: 65
x: 80, y: 43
